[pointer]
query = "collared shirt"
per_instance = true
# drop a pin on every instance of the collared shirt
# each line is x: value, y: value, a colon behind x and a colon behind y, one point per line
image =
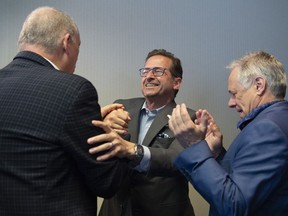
x: 146, y: 118
x: 250, y: 116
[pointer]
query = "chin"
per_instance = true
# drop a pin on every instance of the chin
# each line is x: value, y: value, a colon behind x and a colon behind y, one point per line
x: 242, y: 115
x: 150, y: 95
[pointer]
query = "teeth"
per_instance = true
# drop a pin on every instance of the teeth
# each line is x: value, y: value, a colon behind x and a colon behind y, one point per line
x: 150, y: 84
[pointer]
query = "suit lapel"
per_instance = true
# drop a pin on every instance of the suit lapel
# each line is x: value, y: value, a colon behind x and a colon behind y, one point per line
x: 134, y: 123
x: 159, y: 122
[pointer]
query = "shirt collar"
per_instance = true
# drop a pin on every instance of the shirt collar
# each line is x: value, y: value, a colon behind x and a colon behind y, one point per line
x: 250, y: 116
x: 144, y: 107
x: 51, y: 63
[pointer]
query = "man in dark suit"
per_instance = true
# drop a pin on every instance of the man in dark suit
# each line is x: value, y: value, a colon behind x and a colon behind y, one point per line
x: 153, y: 187
x: 45, y: 121
x: 251, y: 179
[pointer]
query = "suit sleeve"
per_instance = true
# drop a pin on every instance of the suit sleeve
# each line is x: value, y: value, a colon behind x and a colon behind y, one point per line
x: 246, y: 181
x: 161, y: 162
x: 103, y: 178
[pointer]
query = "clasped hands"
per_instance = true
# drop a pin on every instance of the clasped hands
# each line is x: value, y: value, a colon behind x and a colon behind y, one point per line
x: 115, y: 124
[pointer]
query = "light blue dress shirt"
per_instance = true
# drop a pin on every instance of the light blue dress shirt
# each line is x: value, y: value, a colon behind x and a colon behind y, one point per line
x: 146, y: 118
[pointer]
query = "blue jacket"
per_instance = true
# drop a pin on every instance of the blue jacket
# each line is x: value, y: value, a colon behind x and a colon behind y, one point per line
x: 252, y: 178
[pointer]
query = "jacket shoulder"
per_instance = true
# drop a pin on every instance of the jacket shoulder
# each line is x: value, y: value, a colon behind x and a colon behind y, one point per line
x: 131, y: 102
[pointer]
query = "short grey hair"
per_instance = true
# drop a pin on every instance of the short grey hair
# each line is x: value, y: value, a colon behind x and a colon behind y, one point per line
x: 261, y: 64
x: 45, y: 27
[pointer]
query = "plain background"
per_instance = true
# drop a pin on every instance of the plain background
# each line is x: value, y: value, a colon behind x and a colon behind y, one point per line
x: 205, y: 34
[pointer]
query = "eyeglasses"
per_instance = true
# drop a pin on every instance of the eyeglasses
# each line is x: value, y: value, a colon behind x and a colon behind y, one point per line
x: 157, y: 71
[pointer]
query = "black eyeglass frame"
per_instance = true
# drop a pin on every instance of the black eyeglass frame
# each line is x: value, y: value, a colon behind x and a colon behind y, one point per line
x: 157, y: 71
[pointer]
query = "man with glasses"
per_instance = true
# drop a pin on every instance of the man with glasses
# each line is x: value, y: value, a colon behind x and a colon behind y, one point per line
x: 153, y: 187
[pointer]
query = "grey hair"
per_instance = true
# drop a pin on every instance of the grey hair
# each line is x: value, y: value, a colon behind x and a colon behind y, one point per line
x: 261, y: 64
x: 46, y: 27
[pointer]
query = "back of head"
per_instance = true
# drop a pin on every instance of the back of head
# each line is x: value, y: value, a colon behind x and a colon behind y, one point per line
x: 45, y: 27
x: 261, y: 64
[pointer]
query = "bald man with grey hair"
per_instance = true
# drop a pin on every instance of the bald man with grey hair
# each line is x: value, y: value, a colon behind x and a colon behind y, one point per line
x: 45, y: 121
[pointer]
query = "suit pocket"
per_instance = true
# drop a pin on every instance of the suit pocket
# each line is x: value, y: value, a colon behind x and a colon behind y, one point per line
x: 163, y: 142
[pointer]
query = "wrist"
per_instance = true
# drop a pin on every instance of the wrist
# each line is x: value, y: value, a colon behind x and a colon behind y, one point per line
x: 137, y: 155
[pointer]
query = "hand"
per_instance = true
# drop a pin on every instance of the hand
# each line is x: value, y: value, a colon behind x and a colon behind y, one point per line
x: 117, y: 118
x: 184, y: 129
x: 213, y: 135
x: 114, y: 144
x: 109, y: 108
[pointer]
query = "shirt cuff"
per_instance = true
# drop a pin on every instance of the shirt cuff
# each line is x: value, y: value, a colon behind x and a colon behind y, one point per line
x: 145, y: 162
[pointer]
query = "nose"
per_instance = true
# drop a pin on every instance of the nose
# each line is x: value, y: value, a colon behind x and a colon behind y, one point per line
x: 231, y: 102
x: 150, y: 74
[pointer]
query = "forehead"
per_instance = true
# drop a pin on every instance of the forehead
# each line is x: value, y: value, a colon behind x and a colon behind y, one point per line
x: 233, y: 83
x: 233, y: 75
x: 158, y: 61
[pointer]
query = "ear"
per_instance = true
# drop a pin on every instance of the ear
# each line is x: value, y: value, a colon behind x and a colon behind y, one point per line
x: 260, y: 85
x: 177, y: 83
x: 66, y: 42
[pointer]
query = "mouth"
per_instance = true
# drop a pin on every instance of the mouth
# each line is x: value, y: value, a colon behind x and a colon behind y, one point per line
x: 238, y: 109
x: 151, y: 84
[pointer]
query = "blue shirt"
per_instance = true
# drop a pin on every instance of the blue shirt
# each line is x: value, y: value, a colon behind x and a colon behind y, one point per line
x: 146, y: 118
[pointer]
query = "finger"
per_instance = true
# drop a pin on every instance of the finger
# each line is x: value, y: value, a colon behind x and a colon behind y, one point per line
x: 124, y: 115
x: 118, y: 119
x: 198, y: 116
x: 99, y: 139
x: 102, y: 125
x: 121, y: 132
x: 210, y: 118
x: 204, y: 120
x: 170, y: 124
x: 186, y: 119
x: 177, y: 121
x: 172, y: 121
x: 100, y: 148
x: 177, y: 117
x: 118, y: 124
x: 110, y: 107
x: 105, y: 147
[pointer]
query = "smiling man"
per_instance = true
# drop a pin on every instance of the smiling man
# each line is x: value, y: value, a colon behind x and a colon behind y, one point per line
x: 154, y: 186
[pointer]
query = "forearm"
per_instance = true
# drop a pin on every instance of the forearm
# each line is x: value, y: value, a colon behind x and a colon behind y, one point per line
x: 198, y: 165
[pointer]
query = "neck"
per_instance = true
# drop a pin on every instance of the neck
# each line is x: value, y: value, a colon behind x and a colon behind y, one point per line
x: 155, y: 104
x: 40, y: 51
x: 268, y: 97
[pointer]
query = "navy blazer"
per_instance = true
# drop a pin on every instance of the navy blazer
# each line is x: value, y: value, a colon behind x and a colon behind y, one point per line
x: 253, y: 176
x: 45, y: 121
x: 163, y: 190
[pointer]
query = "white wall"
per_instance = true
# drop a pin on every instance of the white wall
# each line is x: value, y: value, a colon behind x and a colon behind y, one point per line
x: 206, y: 35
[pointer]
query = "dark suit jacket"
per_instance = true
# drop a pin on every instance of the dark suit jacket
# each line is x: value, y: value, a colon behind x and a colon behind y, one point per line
x: 163, y: 190
x: 45, y: 120
x: 253, y: 178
